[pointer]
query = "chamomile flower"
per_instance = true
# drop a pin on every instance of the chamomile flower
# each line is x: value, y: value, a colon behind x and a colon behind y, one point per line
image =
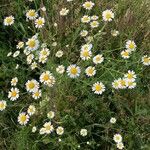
x: 37, y: 94
x: 94, y: 17
x: 116, y: 84
x: 73, y: 71
x: 84, y: 33
x: 45, y: 52
x: 60, y: 69
x: 9, y: 20
x: 85, y: 19
x: 114, y: 33
x: 64, y: 11
x: 14, y: 81
x: 30, y: 57
x: 47, y: 78
x: 83, y: 132
x: 98, y: 88
x: 86, y: 47
x: 90, y: 71
x: 130, y: 84
x: 3, y: 105
x: 131, y: 76
x: 13, y: 94
x: 113, y: 120
x: 130, y: 45
x: 48, y: 127
x: 120, y: 145
x: 98, y: 59
x: 125, y: 54
x: 31, y: 110
x: 117, y: 138
x: 20, y: 45
x: 60, y: 130
x: 31, y: 14
x: 34, y: 129
x: 32, y: 44
x: 23, y: 118
x: 146, y: 60
x: 108, y: 15
x: 43, y: 59
x: 94, y: 24
x: 39, y: 23
x: 50, y: 114
x: 122, y: 83
x: 85, y: 54
x: 33, y: 65
x: 16, y: 53
x: 88, y: 5
x: 59, y: 54
x: 32, y: 85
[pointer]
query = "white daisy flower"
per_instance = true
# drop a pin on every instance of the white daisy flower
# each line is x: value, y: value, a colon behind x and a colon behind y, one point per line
x: 146, y: 60
x: 32, y: 85
x: 130, y: 84
x: 13, y: 94
x: 16, y: 53
x: 32, y: 44
x: 59, y: 54
x: 94, y: 24
x: 47, y: 78
x: 50, y: 114
x: 98, y: 88
x: 116, y: 84
x: 64, y: 11
x: 34, y: 65
x: 120, y: 145
x: 130, y: 45
x: 98, y: 59
x: 84, y: 33
x: 45, y: 52
x: 88, y: 5
x: 122, y: 83
x: 94, y: 17
x: 113, y: 120
x: 37, y: 94
x: 90, y: 71
x: 31, y: 110
x: 20, y: 45
x: 83, y: 132
x: 125, y: 54
x: 30, y: 57
x: 31, y: 14
x: 23, y: 118
x: 34, y: 129
x: 48, y: 127
x: 39, y: 23
x: 60, y: 69
x: 131, y: 76
x: 9, y: 20
x: 3, y: 105
x: 73, y: 71
x: 85, y: 19
x: 43, y: 59
x: 60, y: 130
x: 108, y: 15
x: 14, y: 81
x: 117, y: 138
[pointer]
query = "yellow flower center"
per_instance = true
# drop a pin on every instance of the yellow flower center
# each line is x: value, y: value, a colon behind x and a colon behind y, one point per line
x: 73, y: 70
x: 40, y: 22
x: 13, y: 93
x: 146, y: 60
x: 9, y: 20
x: 130, y: 76
x: 31, y: 85
x: 32, y: 13
x: 90, y: 71
x: 85, y: 53
x: 23, y: 118
x: 108, y: 15
x: 31, y: 43
x: 126, y: 54
x: 122, y: 82
x: 46, y: 77
x: 2, y: 105
x: 37, y: 93
x: 88, y: 5
x: 131, y: 46
x: 98, y: 87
